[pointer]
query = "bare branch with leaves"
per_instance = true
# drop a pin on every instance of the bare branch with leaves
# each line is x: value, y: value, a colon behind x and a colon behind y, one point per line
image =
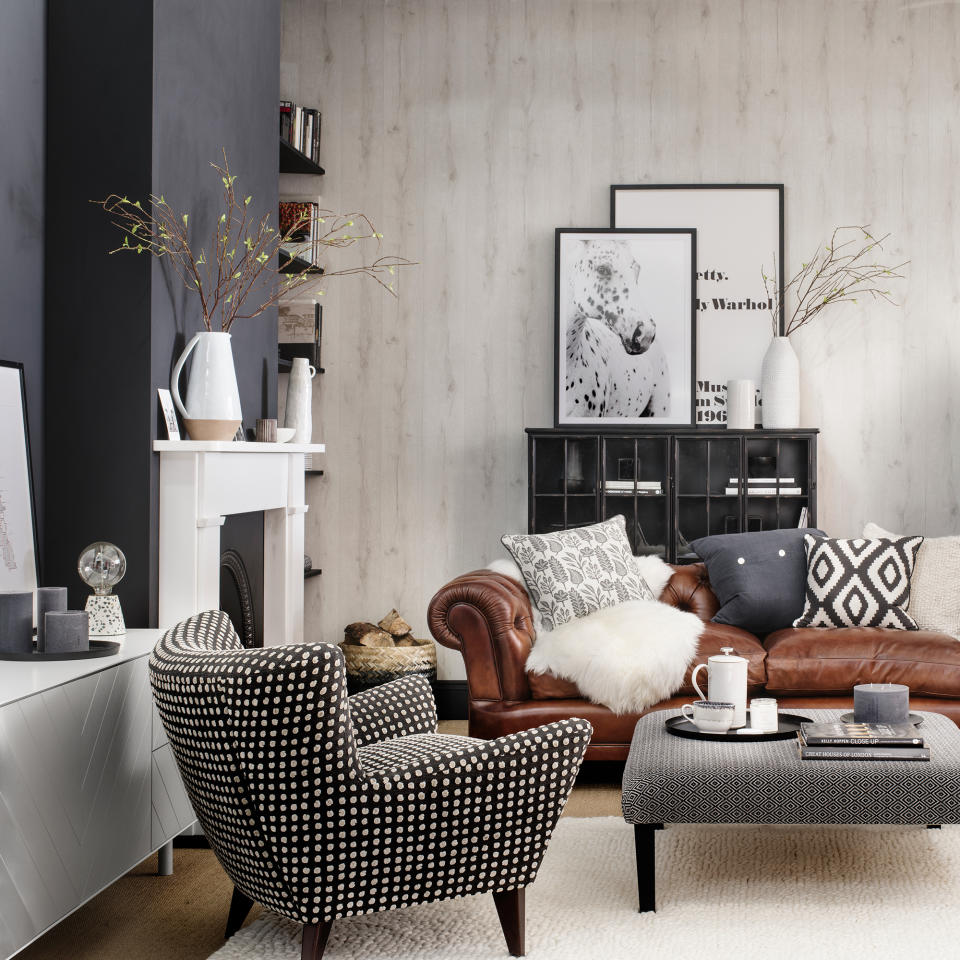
x: 239, y: 275
x: 840, y: 271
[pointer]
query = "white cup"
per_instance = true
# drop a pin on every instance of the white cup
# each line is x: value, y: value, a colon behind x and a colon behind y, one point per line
x: 709, y: 716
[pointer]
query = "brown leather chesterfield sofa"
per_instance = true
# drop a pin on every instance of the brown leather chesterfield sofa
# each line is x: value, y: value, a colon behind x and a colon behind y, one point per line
x: 487, y: 617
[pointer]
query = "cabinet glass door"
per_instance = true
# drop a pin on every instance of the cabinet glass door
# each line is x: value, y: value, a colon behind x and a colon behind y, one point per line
x: 708, y: 494
x: 635, y: 483
x: 777, y: 483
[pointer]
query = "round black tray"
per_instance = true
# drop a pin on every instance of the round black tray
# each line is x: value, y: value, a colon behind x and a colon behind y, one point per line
x: 789, y: 725
x: 98, y: 648
x: 915, y: 718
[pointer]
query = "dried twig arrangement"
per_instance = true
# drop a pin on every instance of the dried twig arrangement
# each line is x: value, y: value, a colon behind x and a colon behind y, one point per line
x: 243, y: 254
x: 839, y: 272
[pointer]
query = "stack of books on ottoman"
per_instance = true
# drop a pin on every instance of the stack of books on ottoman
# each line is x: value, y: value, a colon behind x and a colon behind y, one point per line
x: 861, y: 741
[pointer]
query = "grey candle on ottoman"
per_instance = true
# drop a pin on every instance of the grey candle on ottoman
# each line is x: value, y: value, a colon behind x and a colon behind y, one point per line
x: 881, y: 703
x: 49, y: 600
x: 16, y: 621
x: 67, y: 631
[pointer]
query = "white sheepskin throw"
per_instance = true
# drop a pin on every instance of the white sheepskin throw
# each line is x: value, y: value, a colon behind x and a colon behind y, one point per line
x: 626, y: 657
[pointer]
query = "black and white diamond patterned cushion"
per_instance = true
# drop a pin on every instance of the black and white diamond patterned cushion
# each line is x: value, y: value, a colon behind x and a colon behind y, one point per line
x: 858, y: 583
x: 321, y: 806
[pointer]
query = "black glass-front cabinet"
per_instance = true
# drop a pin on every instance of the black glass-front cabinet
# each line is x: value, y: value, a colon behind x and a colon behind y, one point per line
x: 672, y: 487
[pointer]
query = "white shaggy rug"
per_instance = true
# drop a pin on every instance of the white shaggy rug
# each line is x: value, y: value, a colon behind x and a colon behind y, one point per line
x: 751, y: 893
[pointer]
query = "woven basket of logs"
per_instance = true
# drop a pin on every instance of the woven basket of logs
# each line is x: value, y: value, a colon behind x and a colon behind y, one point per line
x: 379, y: 652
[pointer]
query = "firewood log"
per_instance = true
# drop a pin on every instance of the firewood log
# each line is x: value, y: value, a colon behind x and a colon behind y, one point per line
x: 364, y: 634
x: 394, y: 624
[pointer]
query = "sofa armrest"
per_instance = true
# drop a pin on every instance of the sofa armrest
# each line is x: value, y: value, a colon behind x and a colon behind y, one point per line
x: 487, y: 617
x: 689, y: 589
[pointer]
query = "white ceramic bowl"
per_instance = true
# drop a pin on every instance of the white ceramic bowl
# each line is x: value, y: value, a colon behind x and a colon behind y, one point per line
x: 285, y: 434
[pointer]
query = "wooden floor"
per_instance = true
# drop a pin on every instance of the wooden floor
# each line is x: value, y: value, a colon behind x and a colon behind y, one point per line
x: 182, y: 917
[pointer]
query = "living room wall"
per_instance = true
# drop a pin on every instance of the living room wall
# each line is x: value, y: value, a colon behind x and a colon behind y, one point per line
x: 468, y: 131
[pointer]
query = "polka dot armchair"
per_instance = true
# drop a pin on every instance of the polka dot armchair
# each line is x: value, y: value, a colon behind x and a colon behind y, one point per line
x: 321, y: 806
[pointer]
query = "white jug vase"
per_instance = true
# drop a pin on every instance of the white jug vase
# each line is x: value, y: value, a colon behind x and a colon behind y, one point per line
x: 299, y: 412
x: 780, y: 386
x: 212, y: 410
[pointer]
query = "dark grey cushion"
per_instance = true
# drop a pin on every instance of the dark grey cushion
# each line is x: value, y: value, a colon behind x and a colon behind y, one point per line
x: 760, y: 578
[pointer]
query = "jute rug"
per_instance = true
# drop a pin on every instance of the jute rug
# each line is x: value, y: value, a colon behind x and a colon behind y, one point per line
x: 790, y: 893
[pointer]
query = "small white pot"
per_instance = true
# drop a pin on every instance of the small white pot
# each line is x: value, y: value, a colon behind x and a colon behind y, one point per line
x: 212, y: 410
x: 780, y: 386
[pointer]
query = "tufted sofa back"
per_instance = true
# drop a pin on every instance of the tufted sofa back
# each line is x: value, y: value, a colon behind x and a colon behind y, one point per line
x: 257, y: 735
x: 689, y: 589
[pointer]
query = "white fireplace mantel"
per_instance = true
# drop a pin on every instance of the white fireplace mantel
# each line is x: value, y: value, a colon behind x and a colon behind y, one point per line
x: 201, y: 483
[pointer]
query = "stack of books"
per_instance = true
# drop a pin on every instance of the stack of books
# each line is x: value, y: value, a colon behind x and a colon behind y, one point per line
x: 302, y: 217
x: 642, y: 487
x: 300, y: 127
x: 765, y: 486
x: 861, y: 741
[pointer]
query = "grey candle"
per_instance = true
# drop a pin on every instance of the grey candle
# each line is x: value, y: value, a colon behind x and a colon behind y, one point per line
x: 16, y: 621
x: 881, y: 703
x: 67, y: 631
x: 49, y: 600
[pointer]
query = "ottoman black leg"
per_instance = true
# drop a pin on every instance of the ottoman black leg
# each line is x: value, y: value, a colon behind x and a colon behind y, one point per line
x: 645, y: 840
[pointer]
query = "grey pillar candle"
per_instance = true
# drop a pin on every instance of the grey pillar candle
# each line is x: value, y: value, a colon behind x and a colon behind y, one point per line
x: 67, y: 631
x: 16, y: 621
x: 49, y: 600
x: 881, y: 703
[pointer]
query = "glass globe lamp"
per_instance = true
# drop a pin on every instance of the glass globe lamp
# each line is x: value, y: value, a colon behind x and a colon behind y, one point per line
x: 102, y: 566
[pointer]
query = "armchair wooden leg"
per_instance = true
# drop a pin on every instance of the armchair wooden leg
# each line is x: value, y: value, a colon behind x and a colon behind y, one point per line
x: 239, y: 908
x: 315, y: 939
x: 510, y: 908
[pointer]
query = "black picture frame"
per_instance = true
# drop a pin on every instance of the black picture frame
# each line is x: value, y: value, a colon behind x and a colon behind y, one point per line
x: 719, y: 225
x: 30, y: 493
x: 683, y: 349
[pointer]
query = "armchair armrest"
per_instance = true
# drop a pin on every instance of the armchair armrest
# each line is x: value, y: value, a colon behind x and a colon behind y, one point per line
x: 399, y: 708
x: 487, y: 617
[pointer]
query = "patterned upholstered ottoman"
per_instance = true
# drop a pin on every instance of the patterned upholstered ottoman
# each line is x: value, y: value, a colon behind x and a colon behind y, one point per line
x: 668, y: 779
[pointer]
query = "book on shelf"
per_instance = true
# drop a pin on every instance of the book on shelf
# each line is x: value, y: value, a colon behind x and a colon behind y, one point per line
x: 641, y: 486
x: 302, y: 217
x: 766, y: 481
x: 860, y: 734
x: 300, y: 127
x: 804, y: 519
x: 765, y: 491
x: 862, y: 753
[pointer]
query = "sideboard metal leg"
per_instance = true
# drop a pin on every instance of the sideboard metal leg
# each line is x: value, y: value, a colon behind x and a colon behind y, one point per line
x: 645, y: 841
x: 165, y: 860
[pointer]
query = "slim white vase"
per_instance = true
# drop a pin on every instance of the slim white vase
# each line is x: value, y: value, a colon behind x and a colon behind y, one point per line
x: 780, y: 386
x: 212, y: 410
x: 299, y: 412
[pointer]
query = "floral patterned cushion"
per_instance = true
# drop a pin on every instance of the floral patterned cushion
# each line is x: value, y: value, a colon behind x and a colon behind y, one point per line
x: 575, y: 572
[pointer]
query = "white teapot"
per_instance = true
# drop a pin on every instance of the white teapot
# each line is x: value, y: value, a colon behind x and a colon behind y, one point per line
x: 726, y: 681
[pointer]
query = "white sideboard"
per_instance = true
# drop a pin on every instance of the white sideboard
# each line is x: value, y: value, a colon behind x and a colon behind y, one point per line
x: 88, y: 784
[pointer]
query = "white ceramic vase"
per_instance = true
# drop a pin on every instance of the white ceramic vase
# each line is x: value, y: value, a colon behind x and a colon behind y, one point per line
x: 741, y: 403
x: 780, y: 386
x: 212, y: 410
x: 299, y: 411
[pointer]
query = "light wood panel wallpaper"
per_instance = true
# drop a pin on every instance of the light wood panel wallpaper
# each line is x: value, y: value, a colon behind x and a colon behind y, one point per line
x: 469, y: 129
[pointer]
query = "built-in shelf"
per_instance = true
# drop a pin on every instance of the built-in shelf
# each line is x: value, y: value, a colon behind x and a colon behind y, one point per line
x: 290, y: 264
x: 307, y: 574
x: 293, y: 160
